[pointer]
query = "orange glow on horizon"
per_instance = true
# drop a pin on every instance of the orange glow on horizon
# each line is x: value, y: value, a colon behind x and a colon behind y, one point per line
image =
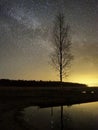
x: 51, y: 75
x: 85, y: 79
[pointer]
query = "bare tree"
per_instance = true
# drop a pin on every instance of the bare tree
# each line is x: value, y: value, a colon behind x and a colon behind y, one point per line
x: 61, y: 56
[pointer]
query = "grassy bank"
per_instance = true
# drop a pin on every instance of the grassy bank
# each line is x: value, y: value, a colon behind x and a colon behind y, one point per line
x: 46, y: 92
x: 48, y: 96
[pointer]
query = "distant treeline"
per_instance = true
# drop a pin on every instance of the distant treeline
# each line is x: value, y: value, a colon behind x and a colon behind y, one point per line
x: 33, y: 83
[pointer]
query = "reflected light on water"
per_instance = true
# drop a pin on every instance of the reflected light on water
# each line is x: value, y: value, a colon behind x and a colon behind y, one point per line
x: 76, y: 117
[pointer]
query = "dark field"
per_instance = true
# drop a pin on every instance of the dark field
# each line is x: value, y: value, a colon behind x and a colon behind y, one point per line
x: 49, y: 96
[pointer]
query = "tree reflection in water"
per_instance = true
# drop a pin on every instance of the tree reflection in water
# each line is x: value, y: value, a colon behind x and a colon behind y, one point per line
x: 62, y: 124
x: 52, y: 121
x: 61, y: 120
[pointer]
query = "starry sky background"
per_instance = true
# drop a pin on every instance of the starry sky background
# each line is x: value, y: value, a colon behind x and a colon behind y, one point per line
x: 25, y: 39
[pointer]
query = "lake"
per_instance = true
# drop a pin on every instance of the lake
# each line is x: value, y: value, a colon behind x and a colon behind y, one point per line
x: 75, y: 117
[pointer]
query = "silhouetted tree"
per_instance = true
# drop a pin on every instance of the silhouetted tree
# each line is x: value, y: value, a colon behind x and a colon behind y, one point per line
x: 61, y: 55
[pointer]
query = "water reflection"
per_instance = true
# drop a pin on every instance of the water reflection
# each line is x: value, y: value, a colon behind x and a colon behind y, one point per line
x: 62, y: 125
x: 43, y: 116
x: 52, y: 121
x: 76, y: 117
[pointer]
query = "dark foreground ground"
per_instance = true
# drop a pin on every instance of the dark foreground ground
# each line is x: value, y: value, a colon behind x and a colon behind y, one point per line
x: 48, y: 96
x: 47, y: 92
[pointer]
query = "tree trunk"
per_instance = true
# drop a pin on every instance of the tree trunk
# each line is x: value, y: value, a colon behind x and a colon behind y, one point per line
x: 60, y: 50
x: 60, y: 73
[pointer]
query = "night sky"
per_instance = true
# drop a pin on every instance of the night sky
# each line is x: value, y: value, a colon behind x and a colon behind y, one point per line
x: 25, y: 39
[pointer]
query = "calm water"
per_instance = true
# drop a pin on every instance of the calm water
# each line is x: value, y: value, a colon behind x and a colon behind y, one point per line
x: 76, y: 117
